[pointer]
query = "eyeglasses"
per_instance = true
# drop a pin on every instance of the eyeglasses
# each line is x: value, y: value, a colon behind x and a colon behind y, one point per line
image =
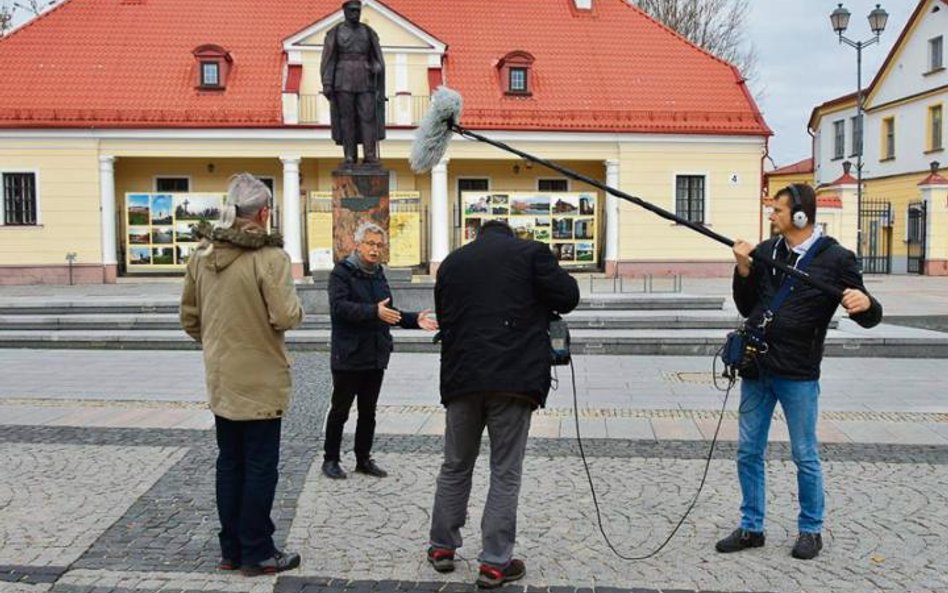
x: 373, y: 244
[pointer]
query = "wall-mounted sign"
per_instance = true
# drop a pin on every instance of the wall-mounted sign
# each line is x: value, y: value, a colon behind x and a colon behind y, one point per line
x: 404, y: 229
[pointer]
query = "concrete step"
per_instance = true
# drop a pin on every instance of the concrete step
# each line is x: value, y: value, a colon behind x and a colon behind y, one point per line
x: 585, y: 319
x: 409, y: 298
x: 848, y: 340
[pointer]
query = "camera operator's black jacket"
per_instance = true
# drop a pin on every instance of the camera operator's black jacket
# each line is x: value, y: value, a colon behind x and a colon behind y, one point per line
x: 494, y: 298
x: 360, y: 340
x: 798, y: 330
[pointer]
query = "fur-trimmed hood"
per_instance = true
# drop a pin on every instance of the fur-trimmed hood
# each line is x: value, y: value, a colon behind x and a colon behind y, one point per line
x: 221, y: 247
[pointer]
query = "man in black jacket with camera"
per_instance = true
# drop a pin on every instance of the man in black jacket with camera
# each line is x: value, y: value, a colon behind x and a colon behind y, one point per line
x: 788, y: 368
x: 494, y: 298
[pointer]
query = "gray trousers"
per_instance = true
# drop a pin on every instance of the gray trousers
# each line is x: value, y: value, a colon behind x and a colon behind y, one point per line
x: 508, y: 421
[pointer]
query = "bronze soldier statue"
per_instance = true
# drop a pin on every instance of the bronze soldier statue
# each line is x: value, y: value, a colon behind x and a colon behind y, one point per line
x: 353, y: 73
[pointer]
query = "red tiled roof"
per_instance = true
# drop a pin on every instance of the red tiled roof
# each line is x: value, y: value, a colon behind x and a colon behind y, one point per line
x: 804, y: 166
x: 934, y: 179
x: 829, y: 201
x: 844, y: 179
x: 128, y: 63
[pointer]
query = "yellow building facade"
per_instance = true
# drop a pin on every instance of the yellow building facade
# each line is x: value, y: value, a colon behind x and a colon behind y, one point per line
x: 82, y: 177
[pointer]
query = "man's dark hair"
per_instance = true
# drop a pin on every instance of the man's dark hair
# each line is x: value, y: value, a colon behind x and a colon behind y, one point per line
x: 497, y: 226
x: 807, y: 199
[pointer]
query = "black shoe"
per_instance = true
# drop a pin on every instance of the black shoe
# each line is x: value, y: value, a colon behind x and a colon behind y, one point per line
x: 740, y: 539
x: 808, y: 546
x: 228, y: 564
x: 278, y: 563
x: 491, y: 577
x: 331, y: 469
x: 371, y: 468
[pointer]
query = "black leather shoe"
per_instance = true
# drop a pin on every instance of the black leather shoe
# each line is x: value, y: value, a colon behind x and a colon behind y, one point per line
x: 371, y: 468
x: 278, y: 563
x: 808, y: 546
x: 740, y: 539
x: 331, y: 469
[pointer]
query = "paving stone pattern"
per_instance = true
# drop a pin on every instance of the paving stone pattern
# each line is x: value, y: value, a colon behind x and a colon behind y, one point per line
x: 132, y: 511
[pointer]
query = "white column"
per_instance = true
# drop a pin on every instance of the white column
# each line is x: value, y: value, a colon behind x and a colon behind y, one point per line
x: 292, y: 225
x: 440, y: 215
x: 291, y: 109
x: 107, y: 206
x: 612, y: 212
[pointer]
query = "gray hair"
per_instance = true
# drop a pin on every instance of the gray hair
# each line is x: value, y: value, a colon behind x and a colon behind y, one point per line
x: 246, y: 196
x: 368, y: 228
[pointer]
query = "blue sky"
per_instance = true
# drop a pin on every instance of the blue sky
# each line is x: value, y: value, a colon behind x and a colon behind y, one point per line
x: 801, y: 64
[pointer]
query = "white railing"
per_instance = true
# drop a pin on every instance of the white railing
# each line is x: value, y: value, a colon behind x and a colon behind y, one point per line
x: 401, y: 110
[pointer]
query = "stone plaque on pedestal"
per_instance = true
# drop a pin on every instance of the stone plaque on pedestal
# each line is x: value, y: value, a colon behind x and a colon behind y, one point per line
x: 359, y: 194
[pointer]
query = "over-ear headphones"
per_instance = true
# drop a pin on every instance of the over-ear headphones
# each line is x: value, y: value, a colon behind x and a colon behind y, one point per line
x: 797, y: 215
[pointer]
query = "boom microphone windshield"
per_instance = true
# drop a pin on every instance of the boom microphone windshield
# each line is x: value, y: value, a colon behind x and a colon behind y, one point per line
x: 443, y: 118
x: 434, y: 131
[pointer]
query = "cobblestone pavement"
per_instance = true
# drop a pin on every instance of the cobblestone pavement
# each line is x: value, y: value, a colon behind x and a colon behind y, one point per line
x: 124, y: 508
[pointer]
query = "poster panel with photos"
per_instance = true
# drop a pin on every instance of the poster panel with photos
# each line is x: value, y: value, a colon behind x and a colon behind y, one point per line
x: 568, y: 221
x: 158, y: 233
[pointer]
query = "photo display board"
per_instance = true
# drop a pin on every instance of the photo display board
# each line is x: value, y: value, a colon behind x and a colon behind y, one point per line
x: 158, y: 234
x: 566, y: 221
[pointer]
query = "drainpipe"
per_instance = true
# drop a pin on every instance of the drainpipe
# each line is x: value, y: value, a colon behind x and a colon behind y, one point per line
x: 760, y: 198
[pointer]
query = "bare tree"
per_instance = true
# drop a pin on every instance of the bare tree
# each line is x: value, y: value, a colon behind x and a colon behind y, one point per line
x: 718, y: 26
x: 21, y: 10
x: 6, y: 18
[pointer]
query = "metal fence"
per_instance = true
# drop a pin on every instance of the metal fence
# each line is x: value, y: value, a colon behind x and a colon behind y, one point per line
x: 876, y: 223
x: 917, y: 224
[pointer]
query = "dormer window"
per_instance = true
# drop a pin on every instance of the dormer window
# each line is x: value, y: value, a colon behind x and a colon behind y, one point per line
x: 213, y: 65
x: 516, y: 73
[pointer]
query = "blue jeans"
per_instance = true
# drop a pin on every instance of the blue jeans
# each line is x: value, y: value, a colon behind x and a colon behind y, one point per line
x: 799, y: 400
x: 249, y: 452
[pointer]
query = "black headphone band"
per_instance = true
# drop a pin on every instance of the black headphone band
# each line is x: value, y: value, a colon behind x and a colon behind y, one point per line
x: 796, y: 202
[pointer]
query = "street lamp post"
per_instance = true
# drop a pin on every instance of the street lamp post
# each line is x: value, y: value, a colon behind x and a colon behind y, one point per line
x: 877, y: 21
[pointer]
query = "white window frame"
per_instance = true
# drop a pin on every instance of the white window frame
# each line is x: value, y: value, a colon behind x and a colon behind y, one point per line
x: 519, y: 70
x: 839, y: 139
x: 931, y: 53
x: 217, y: 67
x: 154, y: 181
x: 569, y: 185
x: 888, y: 147
x: 930, y: 128
x: 707, y: 193
x: 854, y: 122
x: 36, y: 185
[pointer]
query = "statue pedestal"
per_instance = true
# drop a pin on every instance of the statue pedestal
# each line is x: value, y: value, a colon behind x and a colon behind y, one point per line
x: 359, y: 194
